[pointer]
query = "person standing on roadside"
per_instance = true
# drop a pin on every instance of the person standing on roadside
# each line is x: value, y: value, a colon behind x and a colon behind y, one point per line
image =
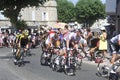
x: 103, y: 42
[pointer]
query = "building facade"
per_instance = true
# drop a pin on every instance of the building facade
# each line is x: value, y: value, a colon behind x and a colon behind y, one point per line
x: 45, y: 15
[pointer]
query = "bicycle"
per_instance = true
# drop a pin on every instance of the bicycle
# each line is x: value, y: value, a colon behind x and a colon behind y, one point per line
x: 116, y: 69
x: 19, y: 59
x: 104, y: 71
x: 55, y: 60
x: 70, y: 63
x: 78, y: 58
x: 45, y: 58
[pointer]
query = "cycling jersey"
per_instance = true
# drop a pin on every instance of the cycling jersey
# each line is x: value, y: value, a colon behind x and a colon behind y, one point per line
x: 23, y: 40
x: 115, y: 47
x: 72, y: 35
x: 115, y: 39
x: 66, y: 36
x: 51, y: 35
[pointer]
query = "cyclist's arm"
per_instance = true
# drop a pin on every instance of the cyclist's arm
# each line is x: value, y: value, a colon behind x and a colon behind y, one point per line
x: 17, y: 40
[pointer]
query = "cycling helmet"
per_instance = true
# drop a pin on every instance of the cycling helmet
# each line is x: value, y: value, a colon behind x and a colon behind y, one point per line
x: 25, y: 32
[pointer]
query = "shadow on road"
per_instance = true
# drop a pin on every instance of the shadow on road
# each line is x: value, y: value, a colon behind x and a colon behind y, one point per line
x: 31, y: 54
x: 6, y: 57
x: 24, y: 63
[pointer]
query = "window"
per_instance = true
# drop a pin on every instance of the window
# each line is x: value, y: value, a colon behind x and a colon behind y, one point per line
x: 33, y: 15
x: 44, y: 16
x: 1, y: 15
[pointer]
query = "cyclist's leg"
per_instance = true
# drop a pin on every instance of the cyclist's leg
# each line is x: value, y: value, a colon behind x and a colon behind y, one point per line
x: 17, y: 55
x: 26, y: 47
x: 105, y: 54
x: 117, y: 57
x: 115, y: 49
x: 113, y: 58
x: 18, y: 51
x: 91, y: 53
x: 114, y: 52
x: 83, y: 44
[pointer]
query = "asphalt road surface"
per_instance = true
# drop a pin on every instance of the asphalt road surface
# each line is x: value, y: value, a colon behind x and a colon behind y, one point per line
x: 32, y: 70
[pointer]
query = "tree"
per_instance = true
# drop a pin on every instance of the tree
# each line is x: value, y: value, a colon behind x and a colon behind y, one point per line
x: 88, y: 11
x: 65, y: 10
x: 12, y: 8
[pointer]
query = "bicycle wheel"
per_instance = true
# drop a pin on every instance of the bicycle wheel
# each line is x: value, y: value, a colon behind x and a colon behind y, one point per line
x: 28, y: 52
x: 98, y: 54
x: 116, y: 69
x: 69, y: 67
x: 69, y: 71
x: 21, y: 57
x: 118, y: 74
x: 57, y: 68
x: 102, y: 70
x: 43, y: 58
x: 15, y: 56
x: 53, y: 64
x: 79, y: 61
x: 14, y: 49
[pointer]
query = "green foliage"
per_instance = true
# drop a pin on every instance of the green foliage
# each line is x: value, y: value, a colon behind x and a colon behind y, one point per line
x: 12, y: 8
x: 65, y: 10
x: 88, y: 11
x: 20, y: 24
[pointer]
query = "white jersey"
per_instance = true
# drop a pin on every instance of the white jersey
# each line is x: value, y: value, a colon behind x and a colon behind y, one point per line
x: 72, y: 34
x: 80, y: 39
x: 115, y: 39
x: 51, y: 35
x: 83, y: 41
x: 66, y: 36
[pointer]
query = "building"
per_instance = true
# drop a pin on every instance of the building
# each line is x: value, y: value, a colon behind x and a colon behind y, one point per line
x: 113, y: 11
x: 45, y: 15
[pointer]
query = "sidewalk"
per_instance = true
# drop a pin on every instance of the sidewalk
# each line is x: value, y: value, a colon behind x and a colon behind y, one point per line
x: 5, y: 72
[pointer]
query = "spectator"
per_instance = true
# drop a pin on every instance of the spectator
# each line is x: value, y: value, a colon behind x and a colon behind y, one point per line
x: 103, y: 42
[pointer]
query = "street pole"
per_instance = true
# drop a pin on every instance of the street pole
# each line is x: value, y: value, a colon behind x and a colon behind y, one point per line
x: 118, y: 16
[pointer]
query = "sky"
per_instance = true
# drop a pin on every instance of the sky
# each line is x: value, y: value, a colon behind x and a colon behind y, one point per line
x: 75, y: 1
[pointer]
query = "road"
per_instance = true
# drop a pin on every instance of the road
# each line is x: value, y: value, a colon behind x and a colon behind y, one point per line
x: 34, y: 71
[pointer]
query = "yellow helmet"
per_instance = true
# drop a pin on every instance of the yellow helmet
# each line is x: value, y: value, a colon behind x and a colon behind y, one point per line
x: 25, y: 32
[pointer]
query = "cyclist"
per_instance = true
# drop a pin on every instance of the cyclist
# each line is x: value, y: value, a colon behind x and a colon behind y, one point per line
x: 56, y: 39
x: 65, y: 43
x: 79, y: 41
x: 49, y: 41
x: 115, y: 46
x: 22, y: 41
